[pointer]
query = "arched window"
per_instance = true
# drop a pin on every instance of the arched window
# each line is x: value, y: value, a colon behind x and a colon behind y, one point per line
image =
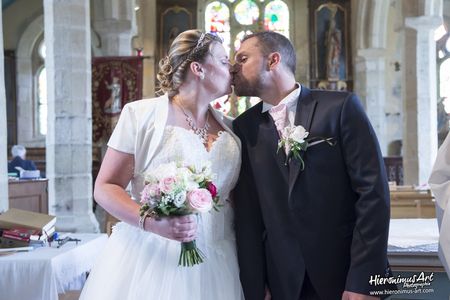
x: 40, y: 89
x: 232, y: 20
x: 442, y: 36
x: 217, y: 19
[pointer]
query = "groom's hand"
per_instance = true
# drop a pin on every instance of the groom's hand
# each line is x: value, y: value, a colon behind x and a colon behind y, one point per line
x: 355, y: 296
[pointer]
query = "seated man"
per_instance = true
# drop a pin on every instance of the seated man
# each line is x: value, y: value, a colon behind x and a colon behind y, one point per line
x: 18, y: 153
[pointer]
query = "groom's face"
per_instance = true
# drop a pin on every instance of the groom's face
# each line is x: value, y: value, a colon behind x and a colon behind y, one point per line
x: 249, y: 71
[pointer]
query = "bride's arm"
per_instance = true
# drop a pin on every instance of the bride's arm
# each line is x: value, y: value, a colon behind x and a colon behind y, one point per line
x: 115, y: 173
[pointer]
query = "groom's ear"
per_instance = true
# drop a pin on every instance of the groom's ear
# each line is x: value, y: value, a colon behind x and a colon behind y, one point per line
x: 274, y: 59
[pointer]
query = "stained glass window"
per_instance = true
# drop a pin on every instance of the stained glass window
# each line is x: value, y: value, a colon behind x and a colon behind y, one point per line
x: 41, y: 90
x: 239, y: 37
x: 276, y: 17
x: 444, y: 74
x: 246, y: 12
x: 217, y: 19
x: 232, y: 20
x: 42, y: 101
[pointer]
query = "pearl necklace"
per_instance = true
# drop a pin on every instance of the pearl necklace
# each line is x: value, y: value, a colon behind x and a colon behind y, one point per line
x: 201, y: 132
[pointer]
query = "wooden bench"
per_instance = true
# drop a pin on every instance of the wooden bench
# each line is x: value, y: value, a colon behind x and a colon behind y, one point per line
x: 407, y: 202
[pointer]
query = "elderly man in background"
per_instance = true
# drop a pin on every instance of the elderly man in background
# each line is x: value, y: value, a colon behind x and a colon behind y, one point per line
x: 19, y: 162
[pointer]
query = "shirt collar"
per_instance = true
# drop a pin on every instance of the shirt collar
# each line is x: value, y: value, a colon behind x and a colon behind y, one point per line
x: 289, y: 100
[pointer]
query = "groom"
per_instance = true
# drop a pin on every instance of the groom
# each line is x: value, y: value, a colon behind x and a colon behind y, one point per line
x: 316, y: 230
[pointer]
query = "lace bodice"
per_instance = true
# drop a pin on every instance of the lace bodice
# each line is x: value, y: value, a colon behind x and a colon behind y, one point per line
x: 179, y: 144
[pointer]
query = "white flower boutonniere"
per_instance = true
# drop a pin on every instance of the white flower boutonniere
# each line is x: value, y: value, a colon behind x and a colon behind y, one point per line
x: 294, y: 140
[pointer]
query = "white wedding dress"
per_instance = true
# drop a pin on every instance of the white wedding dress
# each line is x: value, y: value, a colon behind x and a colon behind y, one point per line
x: 138, y: 265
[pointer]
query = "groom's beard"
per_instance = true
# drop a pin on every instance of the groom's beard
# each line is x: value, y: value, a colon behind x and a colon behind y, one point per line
x: 245, y: 87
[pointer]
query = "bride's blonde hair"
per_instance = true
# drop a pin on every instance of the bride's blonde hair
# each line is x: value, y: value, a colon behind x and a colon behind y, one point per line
x: 188, y: 46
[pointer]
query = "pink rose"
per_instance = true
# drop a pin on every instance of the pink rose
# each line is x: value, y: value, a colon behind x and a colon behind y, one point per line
x: 167, y: 184
x: 212, y: 189
x: 149, y: 193
x: 199, y: 200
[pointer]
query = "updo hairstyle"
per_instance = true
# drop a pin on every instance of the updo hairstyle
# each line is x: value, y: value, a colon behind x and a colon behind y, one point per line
x: 189, y: 46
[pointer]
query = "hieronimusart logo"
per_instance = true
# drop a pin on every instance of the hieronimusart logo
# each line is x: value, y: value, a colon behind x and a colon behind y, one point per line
x: 417, y: 280
x: 418, y: 283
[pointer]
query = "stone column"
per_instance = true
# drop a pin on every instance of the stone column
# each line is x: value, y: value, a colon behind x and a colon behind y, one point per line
x: 3, y: 132
x: 115, y: 22
x: 301, y: 39
x: 69, y: 134
x: 147, y: 34
x: 370, y: 87
x: 420, y: 98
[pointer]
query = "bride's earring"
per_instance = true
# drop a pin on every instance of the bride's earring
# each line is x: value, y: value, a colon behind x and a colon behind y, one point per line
x: 202, y: 76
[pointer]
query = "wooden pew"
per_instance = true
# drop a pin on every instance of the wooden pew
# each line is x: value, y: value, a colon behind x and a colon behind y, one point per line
x: 407, y: 202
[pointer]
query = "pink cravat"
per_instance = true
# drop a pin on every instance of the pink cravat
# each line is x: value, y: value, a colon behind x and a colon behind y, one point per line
x: 278, y: 114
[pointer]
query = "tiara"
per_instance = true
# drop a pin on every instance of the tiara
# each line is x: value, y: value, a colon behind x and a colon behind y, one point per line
x: 201, y: 41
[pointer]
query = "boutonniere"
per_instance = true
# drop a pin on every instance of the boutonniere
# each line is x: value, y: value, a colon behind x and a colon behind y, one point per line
x: 294, y: 139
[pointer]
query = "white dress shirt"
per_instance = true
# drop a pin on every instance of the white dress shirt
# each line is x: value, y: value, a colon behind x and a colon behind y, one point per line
x: 290, y: 101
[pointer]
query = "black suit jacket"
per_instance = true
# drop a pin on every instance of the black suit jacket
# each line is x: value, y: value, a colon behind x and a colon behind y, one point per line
x: 19, y: 162
x: 329, y: 220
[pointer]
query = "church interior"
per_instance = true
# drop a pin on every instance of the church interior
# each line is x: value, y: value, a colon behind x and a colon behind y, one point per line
x: 70, y: 66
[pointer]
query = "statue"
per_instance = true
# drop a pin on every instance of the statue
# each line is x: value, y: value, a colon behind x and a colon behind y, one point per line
x: 333, y: 42
x: 114, y: 103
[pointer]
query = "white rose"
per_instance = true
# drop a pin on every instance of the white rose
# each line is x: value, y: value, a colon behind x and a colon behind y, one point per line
x: 206, y: 170
x: 164, y: 171
x: 191, y: 185
x: 183, y: 175
x: 299, y: 134
x: 286, y: 132
x: 179, y: 199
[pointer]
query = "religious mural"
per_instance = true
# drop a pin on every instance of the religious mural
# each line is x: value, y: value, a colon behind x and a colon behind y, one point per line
x: 115, y: 82
x: 174, y: 20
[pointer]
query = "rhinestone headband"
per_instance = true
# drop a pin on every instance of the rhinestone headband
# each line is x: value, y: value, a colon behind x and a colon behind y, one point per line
x: 200, y: 43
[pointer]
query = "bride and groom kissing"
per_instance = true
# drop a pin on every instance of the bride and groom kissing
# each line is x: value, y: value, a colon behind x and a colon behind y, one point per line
x: 300, y: 175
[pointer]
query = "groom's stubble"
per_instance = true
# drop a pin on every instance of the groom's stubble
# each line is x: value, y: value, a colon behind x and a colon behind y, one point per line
x: 251, y: 87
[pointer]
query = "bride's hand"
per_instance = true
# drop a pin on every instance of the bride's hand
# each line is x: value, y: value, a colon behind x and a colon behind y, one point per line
x: 182, y: 229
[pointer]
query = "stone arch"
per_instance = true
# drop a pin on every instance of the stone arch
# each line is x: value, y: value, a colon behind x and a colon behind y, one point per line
x: 371, y: 24
x: 27, y: 131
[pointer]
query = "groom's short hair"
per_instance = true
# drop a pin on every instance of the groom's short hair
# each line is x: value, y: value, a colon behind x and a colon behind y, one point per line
x: 272, y: 41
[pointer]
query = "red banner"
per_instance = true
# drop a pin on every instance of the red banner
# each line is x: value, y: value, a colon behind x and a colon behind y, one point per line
x: 115, y: 82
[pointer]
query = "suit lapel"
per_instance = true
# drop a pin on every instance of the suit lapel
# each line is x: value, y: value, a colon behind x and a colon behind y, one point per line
x: 304, y: 114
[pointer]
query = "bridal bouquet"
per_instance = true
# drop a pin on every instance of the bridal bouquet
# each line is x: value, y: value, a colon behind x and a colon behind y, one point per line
x: 174, y: 189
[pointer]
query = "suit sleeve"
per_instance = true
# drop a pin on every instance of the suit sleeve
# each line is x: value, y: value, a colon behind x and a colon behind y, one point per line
x: 249, y: 229
x: 368, y: 178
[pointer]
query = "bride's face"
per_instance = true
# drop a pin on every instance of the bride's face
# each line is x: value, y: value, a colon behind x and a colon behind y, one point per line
x: 217, y: 71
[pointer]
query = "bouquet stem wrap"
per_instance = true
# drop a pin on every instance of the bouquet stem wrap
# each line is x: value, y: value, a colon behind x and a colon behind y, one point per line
x: 190, y: 255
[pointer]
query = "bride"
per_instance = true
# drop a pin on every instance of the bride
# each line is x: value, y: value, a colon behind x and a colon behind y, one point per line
x: 140, y: 260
